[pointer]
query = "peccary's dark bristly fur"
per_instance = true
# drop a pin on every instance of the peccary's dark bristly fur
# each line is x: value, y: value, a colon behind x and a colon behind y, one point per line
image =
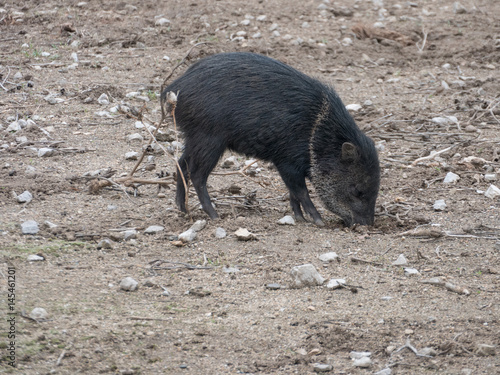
x: 263, y: 108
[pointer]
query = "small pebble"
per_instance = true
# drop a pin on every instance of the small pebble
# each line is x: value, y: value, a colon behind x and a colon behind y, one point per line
x: 329, y: 257
x: 128, y: 284
x: 492, y: 192
x: 24, y: 197
x: 411, y: 272
x: 451, y: 178
x: 39, y: 313
x: 401, y: 261
x: 439, y: 205
x: 35, y: 258
x: 362, y: 362
x: 103, y: 99
x: 428, y: 351
x: 45, y: 152
x: 242, y: 234
x: 485, y: 350
x: 386, y: 371
x: 29, y: 227
x: 220, y: 233
x: 273, y: 286
x: 230, y: 270
x: 335, y: 283
x: 353, y: 107
x: 306, y: 275
x: 187, y: 236
x: 199, y: 225
x: 286, y: 220
x: 322, y: 367
x: 129, y: 234
x: 105, y: 243
x: 153, y: 229
x: 132, y: 155
x: 162, y: 21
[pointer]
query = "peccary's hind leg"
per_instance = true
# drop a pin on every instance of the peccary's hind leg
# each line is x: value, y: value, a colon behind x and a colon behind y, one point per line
x: 296, y: 183
x: 204, y: 158
x: 180, y: 197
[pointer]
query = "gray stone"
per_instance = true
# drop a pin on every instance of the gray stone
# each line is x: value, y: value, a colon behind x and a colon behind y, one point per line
x: 335, y: 283
x: 329, y: 257
x: 401, y: 261
x: 386, y: 371
x: 220, y: 233
x: 34, y: 258
x: 306, y: 275
x: 286, y: 220
x: 13, y: 127
x: 273, y: 286
x: 46, y: 152
x: 411, y: 272
x: 103, y: 99
x: 428, y: 351
x: 153, y: 229
x: 242, y: 234
x: 485, y: 350
x: 49, y: 224
x: 451, y: 178
x: 24, y: 197
x: 353, y: 107
x: 357, y: 355
x: 29, y: 227
x: 492, y: 192
x: 162, y: 21
x: 39, y: 313
x: 187, y: 236
x: 129, y: 234
x: 322, y: 367
x: 199, y: 225
x: 363, y: 362
x: 230, y: 270
x: 490, y: 177
x: 128, y: 284
x: 459, y: 8
x: 105, y: 243
x: 439, y: 205
x: 132, y: 155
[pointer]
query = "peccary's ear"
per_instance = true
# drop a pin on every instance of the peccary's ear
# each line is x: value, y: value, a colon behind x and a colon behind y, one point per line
x: 349, y: 152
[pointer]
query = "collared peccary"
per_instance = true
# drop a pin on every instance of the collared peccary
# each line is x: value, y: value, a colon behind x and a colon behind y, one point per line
x: 262, y: 108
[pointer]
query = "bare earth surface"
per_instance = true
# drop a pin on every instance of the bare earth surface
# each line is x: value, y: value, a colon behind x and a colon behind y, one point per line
x: 206, y: 307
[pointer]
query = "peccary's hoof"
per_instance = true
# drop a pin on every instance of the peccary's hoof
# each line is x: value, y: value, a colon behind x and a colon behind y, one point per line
x: 319, y: 223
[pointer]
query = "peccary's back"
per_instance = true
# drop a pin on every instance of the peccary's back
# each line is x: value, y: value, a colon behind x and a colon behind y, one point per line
x: 255, y: 105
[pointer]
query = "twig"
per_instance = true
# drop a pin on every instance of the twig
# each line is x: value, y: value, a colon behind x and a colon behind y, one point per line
x: 358, y: 260
x: 408, y: 345
x: 59, y: 359
x: 432, y: 155
x: 421, y: 49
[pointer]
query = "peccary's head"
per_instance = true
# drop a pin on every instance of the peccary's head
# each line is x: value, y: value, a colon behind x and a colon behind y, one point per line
x: 347, y: 180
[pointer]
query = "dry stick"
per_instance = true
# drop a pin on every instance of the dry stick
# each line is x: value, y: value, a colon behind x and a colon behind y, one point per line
x: 421, y: 49
x: 432, y: 155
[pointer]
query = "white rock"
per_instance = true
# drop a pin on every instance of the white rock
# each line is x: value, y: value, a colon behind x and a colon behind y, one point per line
x: 162, y: 21
x: 329, y: 257
x: 439, y: 205
x: 335, y: 283
x: 132, y: 155
x: 103, y: 99
x: 245, y: 22
x: 379, y: 25
x: 357, y: 355
x: 129, y: 234
x: 386, y: 371
x: 428, y: 351
x: 257, y: 35
x: 305, y: 25
x: 273, y: 27
x: 362, y: 362
x: 485, y: 350
x: 451, y: 178
x: 347, y: 42
x: 411, y: 272
x: 322, y: 367
x: 187, y: 236
x: 242, y: 234
x: 286, y: 220
x: 459, y: 8
x: 45, y: 54
x: 262, y: 18
x: 306, y: 275
x: 199, y: 225
x: 51, y: 99
x: 353, y: 107
x: 39, y: 313
x: 13, y: 127
x: 447, y: 120
x: 490, y: 177
x: 49, y: 224
x: 74, y: 56
x: 220, y: 233
x: 18, y: 76
x: 46, y: 152
x: 153, y: 229
x: 135, y: 137
x: 105, y: 243
x: 128, y: 284
x: 401, y: 261
x: 492, y: 192
x: 230, y: 162
x: 24, y: 197
x: 35, y: 258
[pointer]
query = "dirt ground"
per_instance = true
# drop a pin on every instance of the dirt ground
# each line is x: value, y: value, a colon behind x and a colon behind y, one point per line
x: 426, y: 75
